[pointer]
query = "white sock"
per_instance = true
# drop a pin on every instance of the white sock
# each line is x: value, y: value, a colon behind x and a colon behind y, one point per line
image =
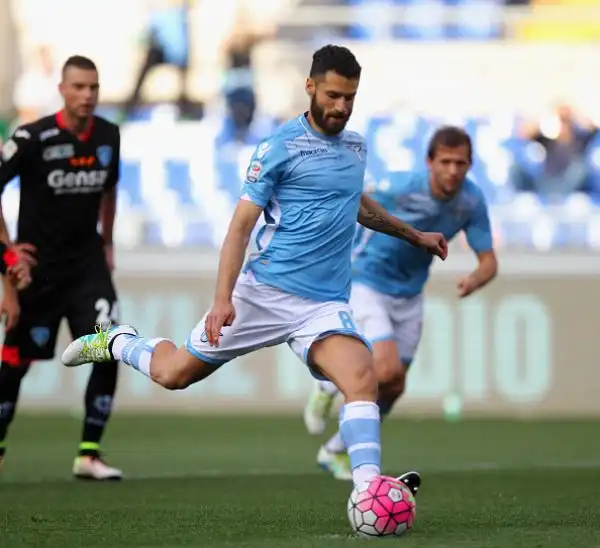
x: 335, y: 444
x: 119, y: 343
x: 135, y: 351
x: 364, y: 473
x: 328, y: 387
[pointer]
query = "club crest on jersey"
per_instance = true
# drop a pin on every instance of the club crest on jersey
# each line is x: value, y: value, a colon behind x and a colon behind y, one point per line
x: 40, y: 335
x: 58, y: 152
x: 254, y: 172
x: 104, y: 155
x: 357, y: 148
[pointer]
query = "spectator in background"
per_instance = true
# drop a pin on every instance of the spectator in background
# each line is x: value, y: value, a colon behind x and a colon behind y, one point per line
x: 36, y: 92
x: 238, y: 86
x: 564, y: 140
x: 168, y: 44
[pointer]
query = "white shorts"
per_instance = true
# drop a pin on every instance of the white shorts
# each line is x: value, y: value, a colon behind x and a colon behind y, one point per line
x: 381, y: 318
x: 267, y: 316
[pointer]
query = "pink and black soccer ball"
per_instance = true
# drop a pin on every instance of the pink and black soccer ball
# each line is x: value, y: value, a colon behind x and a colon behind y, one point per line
x: 382, y: 507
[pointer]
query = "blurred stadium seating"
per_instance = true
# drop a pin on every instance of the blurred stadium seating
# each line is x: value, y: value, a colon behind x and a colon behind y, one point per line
x: 181, y: 195
x: 180, y: 179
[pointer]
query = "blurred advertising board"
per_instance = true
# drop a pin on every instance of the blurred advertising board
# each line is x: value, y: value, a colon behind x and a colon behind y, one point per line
x: 525, y: 346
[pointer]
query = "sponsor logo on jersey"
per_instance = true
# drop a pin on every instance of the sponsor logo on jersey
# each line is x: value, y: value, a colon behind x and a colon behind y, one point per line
x: 313, y: 151
x: 58, y: 152
x: 254, y: 172
x: 53, y: 132
x: 9, y: 149
x: 77, y: 182
x: 104, y: 155
x: 82, y: 161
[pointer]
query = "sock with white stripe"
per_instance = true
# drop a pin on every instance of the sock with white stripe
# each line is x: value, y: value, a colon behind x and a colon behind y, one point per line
x: 135, y: 351
x: 360, y: 433
x: 335, y: 444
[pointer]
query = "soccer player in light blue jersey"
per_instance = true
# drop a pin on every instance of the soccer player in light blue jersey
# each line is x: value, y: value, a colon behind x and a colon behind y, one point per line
x: 389, y: 276
x: 307, y: 181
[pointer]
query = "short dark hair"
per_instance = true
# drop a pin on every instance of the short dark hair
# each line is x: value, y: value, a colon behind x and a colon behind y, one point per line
x: 337, y: 59
x: 80, y: 62
x: 450, y: 137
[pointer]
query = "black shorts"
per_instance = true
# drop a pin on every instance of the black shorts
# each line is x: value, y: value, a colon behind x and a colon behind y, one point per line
x: 84, y: 300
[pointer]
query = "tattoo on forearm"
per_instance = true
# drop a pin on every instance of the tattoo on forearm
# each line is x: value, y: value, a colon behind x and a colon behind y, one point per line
x: 379, y: 223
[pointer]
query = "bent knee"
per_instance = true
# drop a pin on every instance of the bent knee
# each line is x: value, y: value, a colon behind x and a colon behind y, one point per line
x: 361, y: 384
x: 172, y: 380
x: 391, y: 376
x: 181, y: 370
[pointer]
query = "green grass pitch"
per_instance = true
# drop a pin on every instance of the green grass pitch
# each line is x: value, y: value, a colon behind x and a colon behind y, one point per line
x: 251, y: 482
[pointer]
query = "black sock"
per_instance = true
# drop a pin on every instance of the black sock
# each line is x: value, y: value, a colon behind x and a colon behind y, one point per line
x: 98, y: 405
x: 386, y: 403
x: 10, y: 384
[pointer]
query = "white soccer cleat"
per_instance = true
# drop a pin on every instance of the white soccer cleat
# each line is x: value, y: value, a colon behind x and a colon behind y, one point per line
x: 96, y: 347
x: 337, y: 464
x: 94, y: 468
x: 317, y: 410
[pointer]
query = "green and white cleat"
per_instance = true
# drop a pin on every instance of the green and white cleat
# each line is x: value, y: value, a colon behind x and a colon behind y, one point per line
x: 337, y: 464
x: 317, y: 410
x: 96, y: 347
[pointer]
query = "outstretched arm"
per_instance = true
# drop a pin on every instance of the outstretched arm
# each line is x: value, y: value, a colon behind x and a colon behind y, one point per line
x: 234, y: 247
x: 230, y: 266
x: 375, y: 217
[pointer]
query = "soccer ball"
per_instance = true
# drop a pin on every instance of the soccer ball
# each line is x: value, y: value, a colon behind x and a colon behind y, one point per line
x: 382, y: 507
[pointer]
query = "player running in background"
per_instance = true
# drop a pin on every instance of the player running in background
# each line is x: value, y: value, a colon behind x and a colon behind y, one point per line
x: 307, y: 179
x: 389, y: 275
x: 68, y: 166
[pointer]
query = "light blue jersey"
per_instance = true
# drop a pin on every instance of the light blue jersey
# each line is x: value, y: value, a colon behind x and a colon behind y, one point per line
x: 310, y: 186
x: 394, y: 267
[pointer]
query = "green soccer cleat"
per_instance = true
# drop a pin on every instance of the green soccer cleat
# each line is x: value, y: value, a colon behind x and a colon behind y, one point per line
x: 317, y: 410
x: 337, y: 464
x: 96, y: 347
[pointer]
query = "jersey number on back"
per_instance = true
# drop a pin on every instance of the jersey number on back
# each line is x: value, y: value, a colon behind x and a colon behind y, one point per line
x: 107, y: 312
